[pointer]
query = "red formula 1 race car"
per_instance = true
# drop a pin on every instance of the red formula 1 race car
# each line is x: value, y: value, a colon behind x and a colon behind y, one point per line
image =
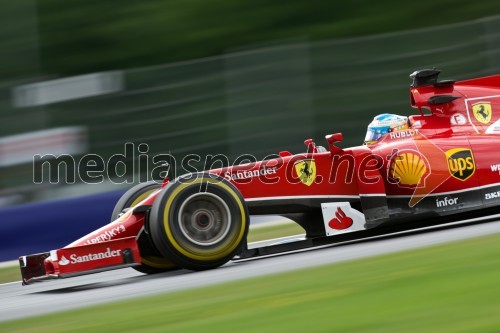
x: 437, y: 164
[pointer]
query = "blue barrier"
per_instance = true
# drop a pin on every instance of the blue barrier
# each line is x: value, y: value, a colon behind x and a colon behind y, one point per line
x: 45, y: 226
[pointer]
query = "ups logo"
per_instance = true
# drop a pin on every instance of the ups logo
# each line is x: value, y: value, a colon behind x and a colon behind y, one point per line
x: 460, y: 163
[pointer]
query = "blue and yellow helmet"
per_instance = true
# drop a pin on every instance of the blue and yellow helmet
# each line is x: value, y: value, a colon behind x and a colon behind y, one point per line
x: 383, y: 124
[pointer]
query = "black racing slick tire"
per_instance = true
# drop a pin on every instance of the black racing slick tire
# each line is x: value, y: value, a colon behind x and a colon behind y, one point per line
x: 150, y: 264
x: 133, y: 196
x: 199, y: 222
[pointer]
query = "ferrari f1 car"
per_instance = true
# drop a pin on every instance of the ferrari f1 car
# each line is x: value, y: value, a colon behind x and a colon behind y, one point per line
x: 439, y: 163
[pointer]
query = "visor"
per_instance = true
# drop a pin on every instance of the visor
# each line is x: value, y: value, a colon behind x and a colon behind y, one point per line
x: 373, y: 134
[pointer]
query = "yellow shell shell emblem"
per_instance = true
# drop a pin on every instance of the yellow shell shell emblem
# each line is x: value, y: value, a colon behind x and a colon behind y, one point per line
x: 408, y: 169
x: 482, y: 112
x: 306, y: 171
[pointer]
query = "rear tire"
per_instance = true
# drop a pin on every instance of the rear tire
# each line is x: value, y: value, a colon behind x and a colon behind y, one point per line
x: 149, y: 264
x: 199, y: 222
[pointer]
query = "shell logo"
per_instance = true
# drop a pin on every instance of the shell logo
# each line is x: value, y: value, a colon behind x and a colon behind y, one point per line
x: 408, y: 169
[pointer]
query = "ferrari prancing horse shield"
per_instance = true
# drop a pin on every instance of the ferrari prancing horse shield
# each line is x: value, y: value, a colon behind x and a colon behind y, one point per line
x: 306, y: 171
x: 482, y: 112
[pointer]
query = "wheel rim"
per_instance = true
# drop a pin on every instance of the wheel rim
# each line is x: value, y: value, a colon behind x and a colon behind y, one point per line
x: 204, y: 219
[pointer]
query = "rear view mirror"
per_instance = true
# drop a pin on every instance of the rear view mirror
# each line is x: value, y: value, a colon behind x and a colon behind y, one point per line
x: 311, y: 146
x: 331, y: 139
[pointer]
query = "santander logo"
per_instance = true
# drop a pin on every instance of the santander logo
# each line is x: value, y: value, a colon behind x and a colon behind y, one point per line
x: 76, y: 259
x: 63, y: 261
x: 340, y: 221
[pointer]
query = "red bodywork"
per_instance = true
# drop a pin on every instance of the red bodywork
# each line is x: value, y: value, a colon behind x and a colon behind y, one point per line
x: 446, y: 163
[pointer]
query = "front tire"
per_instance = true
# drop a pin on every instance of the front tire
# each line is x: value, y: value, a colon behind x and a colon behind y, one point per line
x: 133, y: 196
x: 199, y: 222
x: 150, y: 264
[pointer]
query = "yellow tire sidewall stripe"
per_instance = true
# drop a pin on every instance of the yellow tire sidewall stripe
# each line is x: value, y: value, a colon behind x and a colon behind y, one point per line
x: 208, y: 256
x: 142, y: 197
x: 157, y: 262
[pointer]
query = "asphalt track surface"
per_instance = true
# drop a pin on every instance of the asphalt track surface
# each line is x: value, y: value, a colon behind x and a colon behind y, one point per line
x: 54, y: 296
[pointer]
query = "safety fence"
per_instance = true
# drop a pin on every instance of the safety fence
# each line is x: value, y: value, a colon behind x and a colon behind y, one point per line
x: 257, y: 101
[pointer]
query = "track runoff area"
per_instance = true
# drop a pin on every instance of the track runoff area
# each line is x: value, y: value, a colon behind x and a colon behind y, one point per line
x: 51, y: 297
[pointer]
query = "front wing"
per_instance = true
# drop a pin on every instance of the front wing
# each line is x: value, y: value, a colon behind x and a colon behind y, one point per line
x: 339, y: 218
x: 80, y: 260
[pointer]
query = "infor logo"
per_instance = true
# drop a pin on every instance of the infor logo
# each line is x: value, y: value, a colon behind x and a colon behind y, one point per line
x: 460, y: 163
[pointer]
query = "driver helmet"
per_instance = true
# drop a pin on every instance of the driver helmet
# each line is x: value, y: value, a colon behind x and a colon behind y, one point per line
x: 383, y: 124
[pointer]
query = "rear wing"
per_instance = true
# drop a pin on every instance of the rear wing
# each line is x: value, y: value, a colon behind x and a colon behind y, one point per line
x: 447, y: 97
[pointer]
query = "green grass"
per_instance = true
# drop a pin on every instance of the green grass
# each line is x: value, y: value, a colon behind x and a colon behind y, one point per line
x: 274, y: 231
x: 447, y: 288
x: 10, y: 274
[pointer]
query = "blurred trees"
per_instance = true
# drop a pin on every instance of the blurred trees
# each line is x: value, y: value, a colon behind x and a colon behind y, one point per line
x: 83, y: 36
